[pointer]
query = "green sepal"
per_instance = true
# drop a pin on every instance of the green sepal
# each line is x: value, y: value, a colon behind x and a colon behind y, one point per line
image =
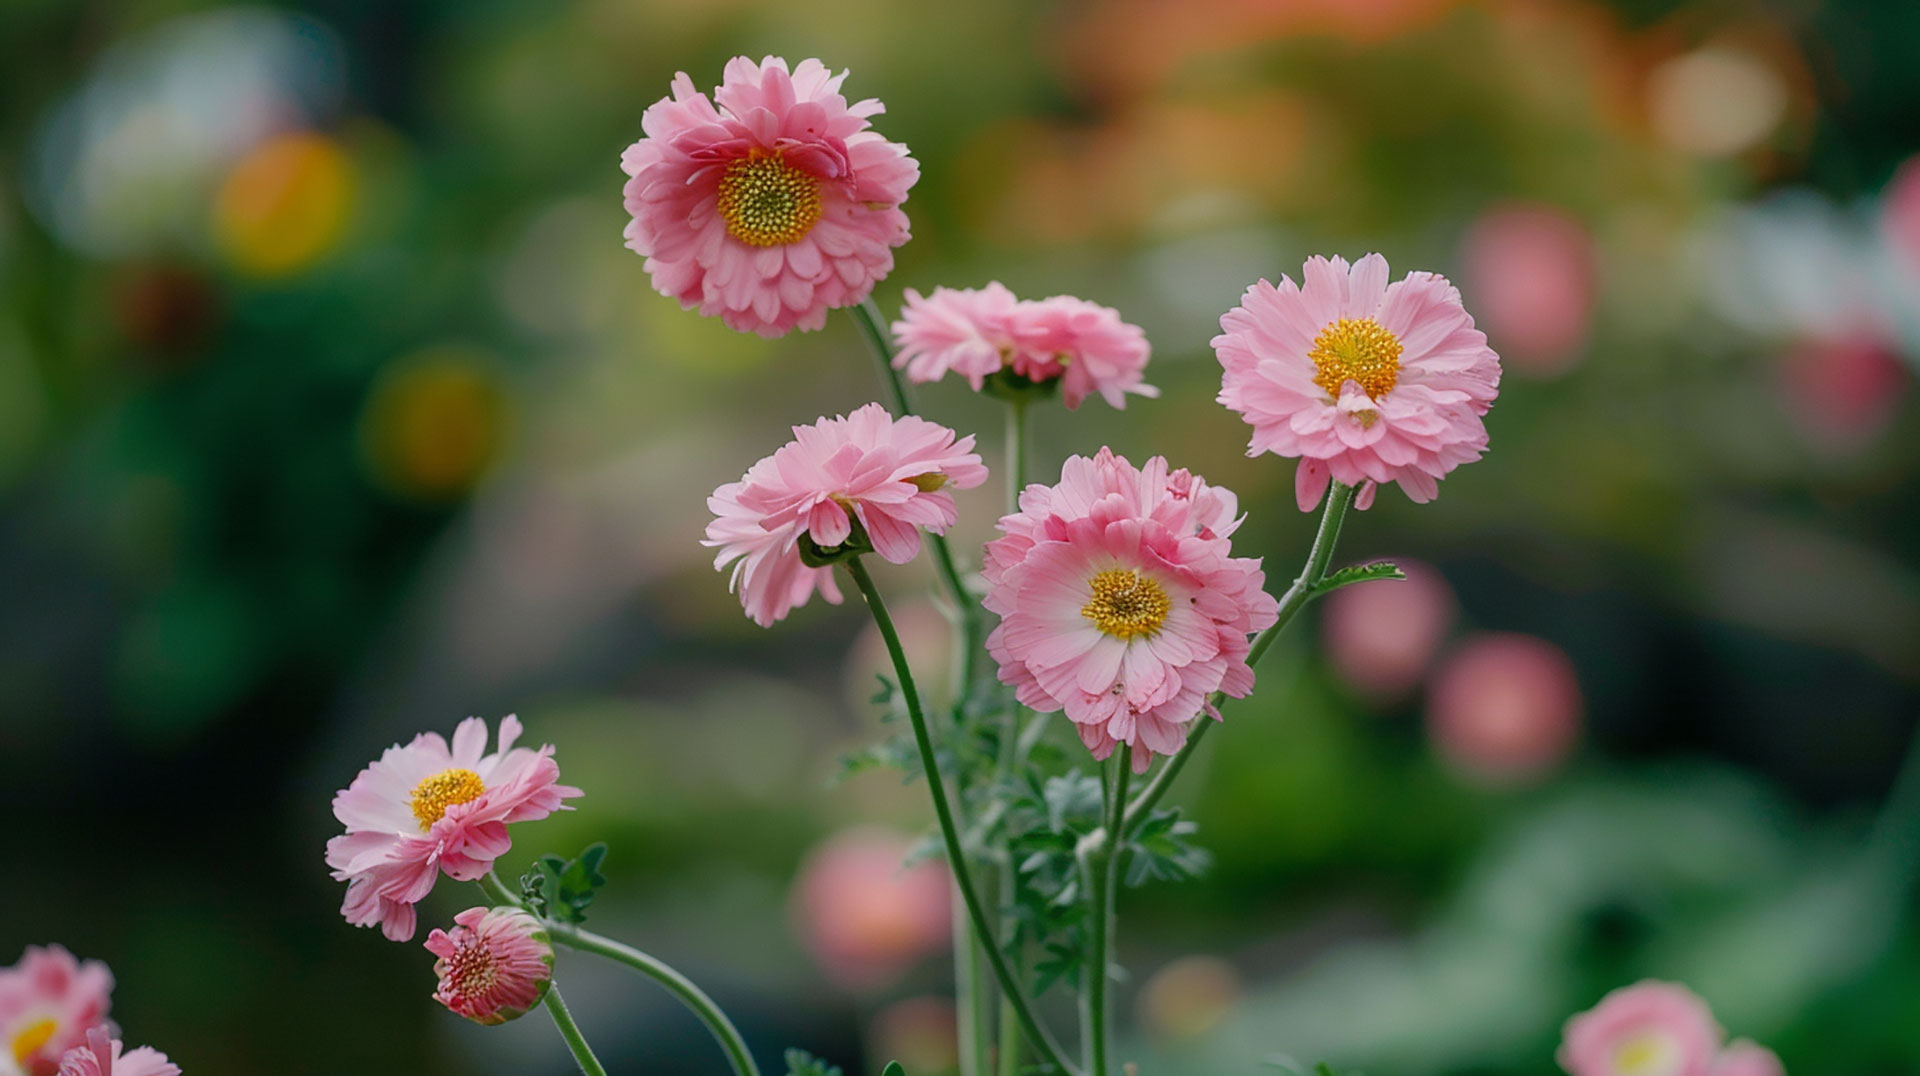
x: 1004, y: 384
x: 1357, y: 573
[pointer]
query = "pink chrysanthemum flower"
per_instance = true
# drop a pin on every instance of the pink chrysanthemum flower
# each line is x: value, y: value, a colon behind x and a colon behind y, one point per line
x: 495, y: 964
x: 1365, y: 382
x: 1647, y: 1029
x: 888, y: 477
x: 1122, y: 604
x: 1744, y: 1058
x: 104, y: 1055
x: 977, y: 333
x: 773, y: 208
x: 48, y: 1001
x: 429, y: 808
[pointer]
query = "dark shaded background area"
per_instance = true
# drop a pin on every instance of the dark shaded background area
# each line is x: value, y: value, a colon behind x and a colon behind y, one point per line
x: 331, y: 410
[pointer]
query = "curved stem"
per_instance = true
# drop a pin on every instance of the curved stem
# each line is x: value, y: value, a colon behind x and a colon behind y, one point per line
x: 949, y: 831
x: 1099, y: 863
x: 570, y: 1031
x: 1295, y: 599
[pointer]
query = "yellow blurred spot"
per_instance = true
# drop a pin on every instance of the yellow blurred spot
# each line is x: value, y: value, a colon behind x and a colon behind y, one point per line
x: 434, y: 423
x: 1189, y: 996
x: 1716, y: 101
x: 32, y: 1038
x: 285, y: 204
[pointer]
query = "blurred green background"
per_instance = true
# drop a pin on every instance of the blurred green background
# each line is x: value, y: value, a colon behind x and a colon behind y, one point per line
x: 332, y: 409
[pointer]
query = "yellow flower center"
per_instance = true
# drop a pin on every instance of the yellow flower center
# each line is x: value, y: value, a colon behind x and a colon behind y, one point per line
x: 32, y: 1039
x: 433, y: 796
x: 767, y: 202
x: 1126, y: 603
x: 1642, y: 1055
x: 1356, y: 350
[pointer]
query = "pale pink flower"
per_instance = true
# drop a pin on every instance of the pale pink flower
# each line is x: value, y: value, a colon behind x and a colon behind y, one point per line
x: 888, y: 477
x: 772, y: 208
x: 495, y: 964
x: 1505, y: 707
x: 865, y: 917
x: 1381, y: 637
x: 1843, y: 390
x: 1122, y: 604
x: 48, y: 1002
x: 1647, y: 1029
x: 1365, y: 382
x: 1531, y: 270
x: 103, y: 1055
x: 430, y: 808
x: 1745, y: 1058
x: 1084, y: 346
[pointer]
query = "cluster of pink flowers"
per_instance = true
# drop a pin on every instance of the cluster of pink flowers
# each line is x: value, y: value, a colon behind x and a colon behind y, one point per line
x: 1657, y: 1029
x: 1083, y: 346
x: 53, y: 1021
x: 431, y: 808
x: 887, y: 477
x: 1121, y: 603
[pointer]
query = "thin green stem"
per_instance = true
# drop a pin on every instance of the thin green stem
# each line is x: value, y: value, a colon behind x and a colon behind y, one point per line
x: 1008, y: 1057
x: 1296, y: 598
x: 873, y: 325
x: 676, y: 984
x: 973, y: 990
x: 949, y: 831
x: 570, y: 1031
x: 1099, y: 860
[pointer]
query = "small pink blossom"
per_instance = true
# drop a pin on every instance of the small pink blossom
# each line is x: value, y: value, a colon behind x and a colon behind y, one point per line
x: 495, y: 964
x: 48, y: 1002
x: 1647, y: 1029
x: 1084, y: 346
x: 890, y: 477
x: 1122, y: 604
x: 102, y: 1056
x: 1531, y: 270
x: 1381, y: 637
x: 1843, y: 390
x: 1365, y: 382
x: 430, y: 808
x: 1505, y: 707
x: 1745, y: 1058
x: 864, y: 915
x: 772, y: 208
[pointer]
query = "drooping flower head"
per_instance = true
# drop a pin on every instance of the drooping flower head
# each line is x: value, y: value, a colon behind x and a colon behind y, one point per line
x: 104, y: 1055
x: 1083, y: 346
x: 867, y: 478
x: 1745, y: 1058
x: 1647, y: 1029
x: 1365, y: 382
x: 495, y: 964
x: 48, y: 1001
x: 772, y: 208
x: 431, y: 807
x: 1122, y: 604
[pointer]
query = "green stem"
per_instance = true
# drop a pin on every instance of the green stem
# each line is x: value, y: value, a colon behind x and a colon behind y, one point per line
x: 949, y: 831
x: 873, y: 326
x: 1099, y: 860
x: 973, y: 994
x: 573, y: 937
x: 1295, y: 599
x: 570, y: 1031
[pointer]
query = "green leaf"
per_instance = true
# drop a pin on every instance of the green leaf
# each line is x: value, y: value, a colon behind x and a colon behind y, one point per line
x: 802, y: 1063
x: 893, y: 1069
x: 560, y: 889
x: 1357, y: 573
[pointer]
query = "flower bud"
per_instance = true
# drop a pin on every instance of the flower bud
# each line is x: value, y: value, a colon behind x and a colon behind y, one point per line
x: 494, y: 965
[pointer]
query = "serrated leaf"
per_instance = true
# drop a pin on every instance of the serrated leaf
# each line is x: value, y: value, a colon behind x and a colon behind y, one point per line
x: 1357, y: 573
x: 565, y: 887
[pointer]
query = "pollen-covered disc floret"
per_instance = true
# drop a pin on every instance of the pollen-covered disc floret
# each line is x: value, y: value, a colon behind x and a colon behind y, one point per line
x: 770, y: 203
x: 495, y: 964
x: 104, y: 1055
x: 975, y: 333
x: 48, y: 1001
x: 887, y: 477
x: 1121, y: 603
x: 431, y: 808
x: 1364, y: 381
x: 1647, y: 1029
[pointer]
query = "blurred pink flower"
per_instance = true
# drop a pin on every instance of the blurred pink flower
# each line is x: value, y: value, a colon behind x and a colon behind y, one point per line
x: 976, y: 333
x: 1745, y: 1058
x: 1900, y: 212
x: 865, y: 916
x: 1381, y: 636
x: 1647, y: 1029
x: 1364, y: 381
x: 772, y: 208
x: 102, y: 1056
x: 1505, y: 707
x: 429, y: 808
x: 1843, y: 391
x: 48, y: 1002
x: 888, y: 475
x: 495, y: 964
x: 1531, y: 272
x: 1121, y: 602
